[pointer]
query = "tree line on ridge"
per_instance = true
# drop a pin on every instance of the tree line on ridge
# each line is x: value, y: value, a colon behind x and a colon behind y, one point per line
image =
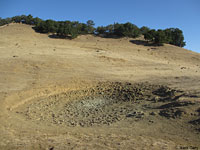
x: 72, y: 29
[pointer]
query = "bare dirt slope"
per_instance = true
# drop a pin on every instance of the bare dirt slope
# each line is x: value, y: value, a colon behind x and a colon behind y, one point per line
x: 96, y: 93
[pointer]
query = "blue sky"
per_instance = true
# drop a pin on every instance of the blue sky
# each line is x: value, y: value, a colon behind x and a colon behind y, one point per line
x: 156, y: 14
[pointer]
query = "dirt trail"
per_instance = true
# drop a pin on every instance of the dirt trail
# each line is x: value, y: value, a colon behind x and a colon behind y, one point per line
x: 96, y: 93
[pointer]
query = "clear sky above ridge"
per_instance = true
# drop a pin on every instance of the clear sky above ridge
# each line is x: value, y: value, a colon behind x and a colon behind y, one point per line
x: 156, y: 14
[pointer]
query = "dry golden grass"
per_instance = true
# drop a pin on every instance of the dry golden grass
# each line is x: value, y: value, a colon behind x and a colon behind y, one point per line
x: 34, y: 66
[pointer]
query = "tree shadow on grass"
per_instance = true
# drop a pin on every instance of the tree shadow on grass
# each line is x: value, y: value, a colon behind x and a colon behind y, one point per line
x: 144, y: 43
x: 34, y: 28
x: 55, y: 36
x: 108, y: 36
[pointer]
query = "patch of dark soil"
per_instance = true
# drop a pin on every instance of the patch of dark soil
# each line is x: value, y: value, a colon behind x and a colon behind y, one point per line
x: 145, y: 43
x: 172, y: 113
x: 195, y: 122
x: 176, y: 104
x: 135, y: 114
x: 198, y: 110
x: 164, y: 91
x: 164, y: 94
x: 191, y: 95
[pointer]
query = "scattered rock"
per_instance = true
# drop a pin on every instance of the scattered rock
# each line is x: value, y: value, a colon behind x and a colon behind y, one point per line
x: 172, y: 113
x: 164, y: 91
x: 151, y: 121
x: 104, y: 104
x: 183, y: 68
x: 135, y: 114
x: 153, y: 113
x: 51, y: 148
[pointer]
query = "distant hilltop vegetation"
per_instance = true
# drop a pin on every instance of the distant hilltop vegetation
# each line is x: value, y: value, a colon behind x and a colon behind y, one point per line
x: 72, y: 29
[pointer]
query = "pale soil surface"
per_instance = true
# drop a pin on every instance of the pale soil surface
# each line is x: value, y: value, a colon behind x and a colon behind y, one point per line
x: 96, y: 93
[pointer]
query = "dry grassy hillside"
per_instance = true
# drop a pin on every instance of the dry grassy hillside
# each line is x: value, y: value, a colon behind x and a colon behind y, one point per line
x: 56, y: 93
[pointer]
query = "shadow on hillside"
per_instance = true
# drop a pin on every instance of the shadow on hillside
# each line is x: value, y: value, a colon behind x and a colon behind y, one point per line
x: 140, y: 42
x: 108, y: 36
x: 144, y: 43
x: 55, y: 36
x: 34, y: 28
